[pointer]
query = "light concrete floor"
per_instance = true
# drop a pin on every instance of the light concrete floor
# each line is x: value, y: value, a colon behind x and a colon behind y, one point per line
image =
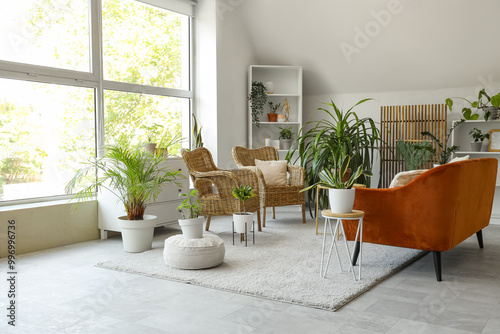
x: 60, y: 291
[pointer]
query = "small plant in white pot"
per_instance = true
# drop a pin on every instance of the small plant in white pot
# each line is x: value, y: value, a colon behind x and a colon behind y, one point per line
x: 243, y: 193
x: 192, y: 223
x: 136, y: 177
x: 340, y: 192
x: 478, y: 137
x: 286, y: 137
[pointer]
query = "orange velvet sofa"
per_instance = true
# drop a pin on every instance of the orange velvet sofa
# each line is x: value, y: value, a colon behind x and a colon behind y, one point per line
x: 434, y: 212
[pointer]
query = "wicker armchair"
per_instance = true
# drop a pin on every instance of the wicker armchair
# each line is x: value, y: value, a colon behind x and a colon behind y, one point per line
x: 206, y: 176
x: 272, y: 196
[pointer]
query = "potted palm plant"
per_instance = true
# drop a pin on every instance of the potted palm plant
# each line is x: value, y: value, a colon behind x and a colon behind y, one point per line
x: 243, y: 220
x: 192, y: 222
x: 340, y: 188
x: 136, y: 178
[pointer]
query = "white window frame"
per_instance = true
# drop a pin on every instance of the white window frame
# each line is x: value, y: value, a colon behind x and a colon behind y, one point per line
x: 94, y: 78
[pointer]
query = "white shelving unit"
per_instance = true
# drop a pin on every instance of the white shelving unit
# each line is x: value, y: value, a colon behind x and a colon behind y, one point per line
x: 287, y: 82
x: 461, y: 137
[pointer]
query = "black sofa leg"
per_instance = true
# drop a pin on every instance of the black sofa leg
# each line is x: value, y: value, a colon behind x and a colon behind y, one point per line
x: 437, y: 264
x: 480, y: 238
x: 355, y: 254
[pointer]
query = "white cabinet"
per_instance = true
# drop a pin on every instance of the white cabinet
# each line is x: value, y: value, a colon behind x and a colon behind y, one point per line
x: 287, y: 84
x: 462, y: 138
x: 165, y: 206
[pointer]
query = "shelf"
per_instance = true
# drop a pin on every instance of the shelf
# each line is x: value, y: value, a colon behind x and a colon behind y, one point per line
x: 480, y: 153
x: 281, y: 123
x: 283, y: 95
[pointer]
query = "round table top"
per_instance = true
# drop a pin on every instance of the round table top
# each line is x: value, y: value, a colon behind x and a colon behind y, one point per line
x: 353, y: 214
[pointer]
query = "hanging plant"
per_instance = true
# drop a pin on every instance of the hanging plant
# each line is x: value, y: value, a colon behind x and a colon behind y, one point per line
x: 258, y: 99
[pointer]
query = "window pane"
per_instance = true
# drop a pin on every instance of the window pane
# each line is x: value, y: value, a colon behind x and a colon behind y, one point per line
x: 51, y: 33
x: 145, y: 45
x: 140, y: 118
x: 45, y: 132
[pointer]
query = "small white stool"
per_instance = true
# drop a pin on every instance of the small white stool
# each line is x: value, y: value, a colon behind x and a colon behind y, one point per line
x: 354, y: 215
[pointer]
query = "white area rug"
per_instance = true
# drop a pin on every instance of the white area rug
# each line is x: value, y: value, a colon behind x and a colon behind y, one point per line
x: 283, y: 265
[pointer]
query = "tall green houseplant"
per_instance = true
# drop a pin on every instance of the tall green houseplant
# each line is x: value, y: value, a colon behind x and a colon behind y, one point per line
x: 338, y: 132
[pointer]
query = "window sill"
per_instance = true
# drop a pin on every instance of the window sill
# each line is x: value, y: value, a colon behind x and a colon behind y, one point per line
x: 33, y: 205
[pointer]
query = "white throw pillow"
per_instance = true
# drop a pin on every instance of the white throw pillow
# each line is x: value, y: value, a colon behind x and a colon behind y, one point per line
x: 402, y: 178
x: 465, y: 157
x: 274, y: 171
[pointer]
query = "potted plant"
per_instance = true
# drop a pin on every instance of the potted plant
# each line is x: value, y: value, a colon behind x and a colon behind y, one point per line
x: 340, y: 190
x: 192, y: 222
x: 444, y: 153
x: 326, y: 138
x: 151, y: 133
x: 490, y: 106
x: 257, y: 98
x: 242, y: 219
x: 136, y: 177
x: 286, y: 137
x: 273, y: 116
x: 414, y: 154
x: 478, y: 137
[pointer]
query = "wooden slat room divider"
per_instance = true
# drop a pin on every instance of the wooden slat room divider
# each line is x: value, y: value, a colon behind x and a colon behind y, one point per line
x: 406, y: 123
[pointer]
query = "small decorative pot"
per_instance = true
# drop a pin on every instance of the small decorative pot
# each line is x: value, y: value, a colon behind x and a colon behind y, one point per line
x: 240, y: 219
x: 494, y: 112
x: 281, y: 118
x: 192, y: 228
x: 341, y: 200
x: 272, y: 117
x: 286, y: 144
x: 476, y: 146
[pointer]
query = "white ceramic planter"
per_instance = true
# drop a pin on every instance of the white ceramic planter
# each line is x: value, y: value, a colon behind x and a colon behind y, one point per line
x: 192, y: 228
x: 341, y: 200
x: 137, y: 235
x: 476, y: 146
x: 239, y: 222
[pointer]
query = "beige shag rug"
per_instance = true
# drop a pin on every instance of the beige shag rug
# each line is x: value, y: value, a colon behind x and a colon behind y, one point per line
x: 283, y: 265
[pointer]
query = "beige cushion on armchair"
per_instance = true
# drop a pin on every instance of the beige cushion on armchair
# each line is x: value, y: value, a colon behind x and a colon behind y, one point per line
x: 403, y: 178
x: 274, y: 171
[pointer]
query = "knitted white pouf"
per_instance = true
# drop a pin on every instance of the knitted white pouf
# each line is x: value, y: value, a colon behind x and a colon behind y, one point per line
x: 200, y: 253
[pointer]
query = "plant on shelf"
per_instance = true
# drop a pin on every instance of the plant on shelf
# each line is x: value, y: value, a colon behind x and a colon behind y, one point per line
x: 192, y: 222
x: 414, y: 154
x: 243, y: 220
x: 258, y: 99
x: 273, y: 107
x: 136, y: 178
x: 286, y: 137
x: 340, y: 191
x: 490, y: 106
x: 342, y: 131
x: 152, y: 131
x: 197, y: 140
x: 478, y: 137
x: 444, y: 153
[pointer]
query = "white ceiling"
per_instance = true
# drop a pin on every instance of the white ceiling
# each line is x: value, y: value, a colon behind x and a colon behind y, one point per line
x: 424, y: 45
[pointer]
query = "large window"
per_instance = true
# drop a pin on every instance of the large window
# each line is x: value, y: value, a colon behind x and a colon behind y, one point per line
x: 67, y: 87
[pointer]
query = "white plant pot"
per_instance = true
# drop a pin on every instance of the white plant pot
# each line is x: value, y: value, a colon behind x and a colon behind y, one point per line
x: 476, y: 146
x: 341, y: 200
x: 137, y: 235
x: 192, y: 228
x: 150, y: 147
x: 239, y: 222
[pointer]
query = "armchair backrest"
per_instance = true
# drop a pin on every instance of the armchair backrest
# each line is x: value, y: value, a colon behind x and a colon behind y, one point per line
x: 199, y: 160
x: 246, y: 156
